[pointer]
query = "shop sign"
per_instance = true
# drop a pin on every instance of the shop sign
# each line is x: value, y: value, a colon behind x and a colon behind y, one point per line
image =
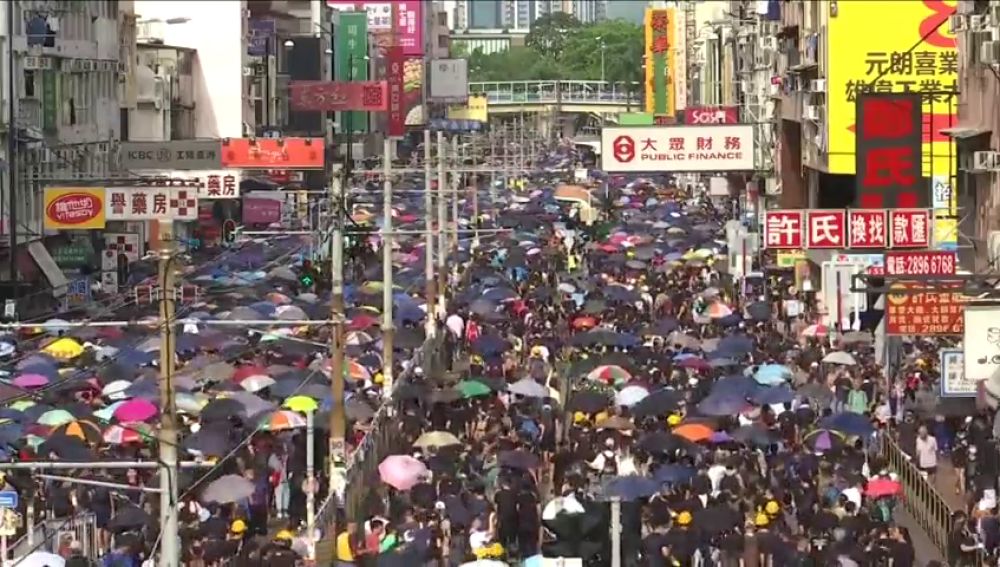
x: 678, y: 148
x: 825, y: 229
x: 68, y: 208
x: 151, y: 203
x: 77, y: 292
x: 888, y: 151
x: 924, y: 313
x: 712, y: 115
x: 190, y: 155
x: 783, y: 229
x: 867, y: 228
x: 272, y: 153
x: 337, y: 96
x: 920, y: 263
x: 910, y: 228
x: 953, y: 381
x: 73, y: 255
x: 981, y: 342
x: 395, y: 64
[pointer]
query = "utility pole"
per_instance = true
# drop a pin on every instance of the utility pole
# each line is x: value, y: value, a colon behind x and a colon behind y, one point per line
x: 455, y: 180
x: 430, y: 326
x: 475, y: 193
x: 493, y: 172
x: 387, y: 239
x: 169, y: 544
x: 338, y: 416
x: 442, y: 212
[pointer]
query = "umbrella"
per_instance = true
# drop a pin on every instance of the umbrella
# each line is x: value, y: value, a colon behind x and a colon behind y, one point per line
x: 609, y: 373
x: 879, y: 487
x: 630, y: 396
x: 815, y: 330
x: 693, y: 432
x: 30, y: 381
x: 670, y: 474
x: 849, y: 423
x: 87, y: 431
x: 129, y: 518
x: 119, y: 435
x: 519, y: 459
x: 816, y: 392
x: 472, y: 389
x: 41, y: 559
x: 137, y: 409
x: 301, y: 404
x: 587, y: 401
x: 55, y: 418
x: 64, y: 348
x: 436, y: 439
x: 772, y: 374
x: 228, y: 489
x: 822, y: 440
x: 282, y: 420
x: 657, y: 403
x: 840, y: 357
x: 401, y: 472
x: 773, y: 395
x: 528, y: 388
x: 630, y: 488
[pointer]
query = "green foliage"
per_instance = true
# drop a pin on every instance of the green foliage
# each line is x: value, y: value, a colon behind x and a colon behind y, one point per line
x: 559, y: 47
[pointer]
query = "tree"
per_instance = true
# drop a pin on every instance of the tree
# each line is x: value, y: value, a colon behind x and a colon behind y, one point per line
x: 515, y: 64
x: 622, y: 51
x: 549, y: 33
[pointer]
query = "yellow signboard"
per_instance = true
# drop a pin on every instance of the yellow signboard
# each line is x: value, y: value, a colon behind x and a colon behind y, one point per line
x: 477, y: 108
x: 871, y: 48
x: 74, y: 208
x: 787, y: 258
x: 661, y: 32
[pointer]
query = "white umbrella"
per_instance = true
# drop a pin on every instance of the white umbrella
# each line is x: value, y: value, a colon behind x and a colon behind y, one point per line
x: 562, y: 505
x: 630, y: 395
x: 528, y: 388
x: 41, y: 559
x: 228, y: 489
x: 840, y: 357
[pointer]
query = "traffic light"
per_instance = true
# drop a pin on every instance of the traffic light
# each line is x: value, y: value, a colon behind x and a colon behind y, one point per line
x: 307, y: 278
x: 229, y: 231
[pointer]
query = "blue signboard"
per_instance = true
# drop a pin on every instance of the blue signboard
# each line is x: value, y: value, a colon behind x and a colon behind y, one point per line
x: 78, y: 292
x: 261, y: 32
x: 8, y: 499
x: 449, y: 125
x: 953, y: 382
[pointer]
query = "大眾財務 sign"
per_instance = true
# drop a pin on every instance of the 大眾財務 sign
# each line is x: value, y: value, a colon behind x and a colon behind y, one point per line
x: 678, y: 148
x: 176, y: 154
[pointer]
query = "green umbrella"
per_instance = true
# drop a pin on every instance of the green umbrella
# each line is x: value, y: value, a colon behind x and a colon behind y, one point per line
x: 55, y: 418
x: 472, y: 389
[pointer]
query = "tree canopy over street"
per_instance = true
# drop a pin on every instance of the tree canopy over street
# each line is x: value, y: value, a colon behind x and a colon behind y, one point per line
x: 560, y: 47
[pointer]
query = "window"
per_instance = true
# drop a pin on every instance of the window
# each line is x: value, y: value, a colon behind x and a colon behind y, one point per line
x: 29, y: 84
x: 442, y: 18
x: 443, y: 41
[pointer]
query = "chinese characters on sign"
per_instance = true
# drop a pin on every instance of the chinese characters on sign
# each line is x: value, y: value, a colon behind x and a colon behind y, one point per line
x: 678, y: 148
x: 910, y: 228
x: 906, y: 72
x: 888, y: 152
x: 855, y: 228
x: 409, y: 18
x: 273, y: 153
x: 924, y: 313
x: 660, y: 40
x: 867, y: 229
x: 336, y: 96
x: 151, y: 203
x: 394, y: 76
x: 783, y: 229
x: 222, y: 184
x: 825, y: 229
x: 920, y: 263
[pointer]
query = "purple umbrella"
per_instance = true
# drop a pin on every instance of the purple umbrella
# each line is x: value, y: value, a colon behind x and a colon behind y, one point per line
x: 30, y: 381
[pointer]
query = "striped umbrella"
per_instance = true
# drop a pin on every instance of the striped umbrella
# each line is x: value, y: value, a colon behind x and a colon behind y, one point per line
x: 87, y: 431
x: 283, y: 420
x: 121, y: 435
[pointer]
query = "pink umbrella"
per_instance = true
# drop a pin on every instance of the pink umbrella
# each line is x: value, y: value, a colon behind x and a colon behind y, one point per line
x: 30, y: 381
x: 401, y: 472
x: 135, y: 410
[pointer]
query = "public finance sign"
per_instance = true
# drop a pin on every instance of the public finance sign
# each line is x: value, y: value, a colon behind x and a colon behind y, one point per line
x: 68, y: 208
x: 981, y: 342
x: 175, y: 154
x: 914, y: 54
x: 678, y: 148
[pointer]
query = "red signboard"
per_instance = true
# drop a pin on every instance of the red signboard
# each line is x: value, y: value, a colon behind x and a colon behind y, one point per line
x: 925, y: 313
x: 783, y: 229
x: 394, y: 76
x: 920, y: 263
x: 272, y: 153
x: 888, y: 153
x: 711, y: 115
x: 910, y: 228
x: 826, y: 228
x: 337, y: 96
x: 867, y: 228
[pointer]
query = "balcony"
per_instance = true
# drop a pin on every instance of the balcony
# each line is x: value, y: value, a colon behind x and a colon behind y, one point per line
x: 30, y: 117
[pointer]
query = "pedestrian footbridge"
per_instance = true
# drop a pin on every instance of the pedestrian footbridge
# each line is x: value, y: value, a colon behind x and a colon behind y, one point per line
x: 597, y: 97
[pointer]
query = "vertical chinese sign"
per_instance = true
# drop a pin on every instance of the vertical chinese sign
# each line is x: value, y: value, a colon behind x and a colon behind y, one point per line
x: 394, y: 76
x: 352, y: 63
x: 888, y: 152
x: 659, y: 47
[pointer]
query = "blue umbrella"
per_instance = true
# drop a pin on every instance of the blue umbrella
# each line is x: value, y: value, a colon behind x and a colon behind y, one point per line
x: 671, y: 474
x: 499, y: 294
x: 772, y: 374
x: 736, y: 344
x: 734, y: 386
x: 630, y: 488
x: 489, y: 345
x: 722, y: 362
x: 718, y: 405
x: 849, y: 423
x: 772, y: 395
x: 265, y: 308
x: 411, y: 313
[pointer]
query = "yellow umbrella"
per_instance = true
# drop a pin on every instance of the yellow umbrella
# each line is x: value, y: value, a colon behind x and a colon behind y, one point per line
x: 301, y: 404
x: 21, y: 405
x: 64, y: 349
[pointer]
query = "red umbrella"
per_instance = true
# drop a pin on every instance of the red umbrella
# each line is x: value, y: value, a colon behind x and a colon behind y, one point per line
x: 361, y: 323
x: 244, y: 372
x: 584, y: 322
x: 880, y: 487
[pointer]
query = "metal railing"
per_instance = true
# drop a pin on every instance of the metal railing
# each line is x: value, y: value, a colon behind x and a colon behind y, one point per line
x: 50, y: 535
x: 920, y: 498
x: 565, y: 92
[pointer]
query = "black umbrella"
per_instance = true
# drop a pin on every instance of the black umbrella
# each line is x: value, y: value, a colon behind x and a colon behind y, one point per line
x: 222, y: 409
x: 129, y: 518
x: 658, y: 403
x: 588, y: 401
x: 759, y: 311
x: 518, y: 459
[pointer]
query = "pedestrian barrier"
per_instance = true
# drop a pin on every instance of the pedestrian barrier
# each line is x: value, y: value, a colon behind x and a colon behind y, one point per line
x: 55, y: 534
x: 920, y: 498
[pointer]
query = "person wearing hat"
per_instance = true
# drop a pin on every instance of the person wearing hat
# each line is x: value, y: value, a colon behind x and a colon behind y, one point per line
x: 279, y: 552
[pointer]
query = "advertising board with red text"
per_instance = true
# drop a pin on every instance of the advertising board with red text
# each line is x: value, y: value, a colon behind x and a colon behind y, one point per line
x: 678, y: 148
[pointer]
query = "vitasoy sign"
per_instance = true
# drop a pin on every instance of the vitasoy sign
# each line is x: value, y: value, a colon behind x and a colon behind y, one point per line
x: 678, y: 148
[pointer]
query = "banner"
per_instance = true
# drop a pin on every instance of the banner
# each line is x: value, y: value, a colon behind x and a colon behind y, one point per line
x: 351, y: 62
x: 477, y: 108
x: 712, y: 115
x: 261, y: 211
x: 678, y: 148
x: 273, y: 153
x: 889, y: 172
x: 660, y: 30
x: 981, y: 342
x: 336, y: 96
x: 915, y: 53
x: 394, y: 76
x: 151, y: 203
x: 68, y: 208
x: 953, y: 382
x: 924, y: 313
x: 945, y: 207
x: 409, y: 32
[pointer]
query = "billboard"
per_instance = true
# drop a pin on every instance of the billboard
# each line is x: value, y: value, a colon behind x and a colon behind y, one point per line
x: 476, y: 108
x: 176, y: 154
x: 409, y: 29
x: 273, y: 153
x: 660, y: 43
x: 953, y: 382
x: 915, y: 53
x: 712, y: 115
x: 678, y: 148
x: 853, y: 228
x: 69, y: 208
x: 350, y: 63
x: 925, y: 312
x: 981, y: 342
x: 449, y: 80
x: 336, y: 96
x: 920, y: 263
x: 150, y: 203
x: 395, y: 64
x: 888, y: 130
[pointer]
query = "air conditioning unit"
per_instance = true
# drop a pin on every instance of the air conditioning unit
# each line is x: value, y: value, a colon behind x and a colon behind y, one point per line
x: 817, y: 86
x: 989, y: 52
x: 814, y: 113
x: 958, y: 23
x: 986, y: 161
x: 978, y: 22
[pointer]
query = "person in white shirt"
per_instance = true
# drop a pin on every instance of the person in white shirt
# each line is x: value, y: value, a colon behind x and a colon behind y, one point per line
x: 926, y: 450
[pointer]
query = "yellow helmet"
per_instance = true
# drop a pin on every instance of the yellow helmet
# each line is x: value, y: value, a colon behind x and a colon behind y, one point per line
x: 761, y: 520
x: 238, y: 527
x: 772, y: 507
x: 378, y: 378
x: 684, y: 518
x: 284, y: 535
x: 601, y: 417
x: 673, y: 419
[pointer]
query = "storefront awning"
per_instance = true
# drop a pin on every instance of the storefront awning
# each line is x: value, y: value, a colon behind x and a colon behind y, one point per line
x: 57, y: 279
x: 962, y: 131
